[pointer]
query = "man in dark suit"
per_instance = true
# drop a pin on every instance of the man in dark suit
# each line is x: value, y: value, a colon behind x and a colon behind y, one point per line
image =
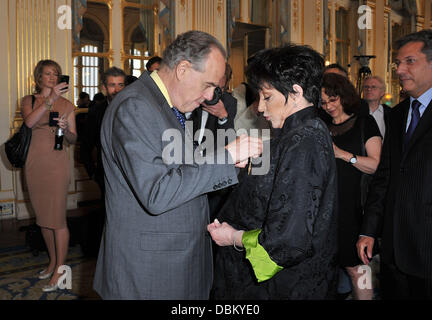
x: 155, y: 243
x: 113, y: 81
x: 399, y: 204
x: 219, y: 116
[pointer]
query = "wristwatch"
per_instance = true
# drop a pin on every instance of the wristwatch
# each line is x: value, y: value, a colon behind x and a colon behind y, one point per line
x: 353, y: 159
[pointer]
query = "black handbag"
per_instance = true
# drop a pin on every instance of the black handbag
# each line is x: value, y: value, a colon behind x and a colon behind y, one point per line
x: 17, y: 147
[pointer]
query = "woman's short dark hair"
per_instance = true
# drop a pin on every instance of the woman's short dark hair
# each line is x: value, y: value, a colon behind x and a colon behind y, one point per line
x: 38, y: 70
x: 335, y: 85
x: 286, y: 66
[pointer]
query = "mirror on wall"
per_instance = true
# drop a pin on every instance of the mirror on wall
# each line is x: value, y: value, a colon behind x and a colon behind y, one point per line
x: 90, y: 56
x: 138, y: 35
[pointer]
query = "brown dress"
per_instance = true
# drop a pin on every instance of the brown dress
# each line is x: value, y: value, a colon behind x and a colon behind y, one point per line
x: 47, y: 171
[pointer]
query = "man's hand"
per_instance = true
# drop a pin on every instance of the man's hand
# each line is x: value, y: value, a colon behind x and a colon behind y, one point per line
x: 218, y: 110
x: 245, y: 147
x: 363, y: 243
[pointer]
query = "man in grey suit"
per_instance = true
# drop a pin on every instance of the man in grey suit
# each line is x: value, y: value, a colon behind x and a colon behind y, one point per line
x: 155, y: 243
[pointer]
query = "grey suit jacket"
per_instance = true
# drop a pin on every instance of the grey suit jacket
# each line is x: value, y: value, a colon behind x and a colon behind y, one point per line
x: 155, y: 243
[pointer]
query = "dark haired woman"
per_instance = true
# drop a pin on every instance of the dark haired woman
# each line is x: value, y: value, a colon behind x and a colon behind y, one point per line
x: 341, y: 102
x: 47, y: 171
x: 277, y: 232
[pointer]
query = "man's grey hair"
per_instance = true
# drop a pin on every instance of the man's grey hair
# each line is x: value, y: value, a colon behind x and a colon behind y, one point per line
x: 424, y: 36
x: 193, y: 46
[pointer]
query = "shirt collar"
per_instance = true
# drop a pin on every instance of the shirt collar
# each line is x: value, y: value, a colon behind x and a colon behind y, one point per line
x: 154, y: 75
x: 424, y: 99
x: 380, y: 109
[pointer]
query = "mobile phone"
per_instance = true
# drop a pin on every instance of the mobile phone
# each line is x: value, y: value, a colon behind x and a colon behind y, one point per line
x: 52, y: 115
x: 64, y: 78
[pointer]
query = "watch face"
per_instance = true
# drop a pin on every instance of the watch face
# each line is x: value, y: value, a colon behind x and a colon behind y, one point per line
x: 353, y: 160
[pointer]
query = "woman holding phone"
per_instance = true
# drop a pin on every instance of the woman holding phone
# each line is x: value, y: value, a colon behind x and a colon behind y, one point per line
x: 47, y: 171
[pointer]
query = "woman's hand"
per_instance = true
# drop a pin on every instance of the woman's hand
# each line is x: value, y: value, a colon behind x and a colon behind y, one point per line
x: 223, y: 234
x: 67, y: 123
x: 62, y: 122
x: 57, y: 91
x: 339, y: 153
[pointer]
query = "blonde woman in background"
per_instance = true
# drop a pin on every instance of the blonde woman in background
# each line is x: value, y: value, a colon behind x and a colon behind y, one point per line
x: 47, y: 171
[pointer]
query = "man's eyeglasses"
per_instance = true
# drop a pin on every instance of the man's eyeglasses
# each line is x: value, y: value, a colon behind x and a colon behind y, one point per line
x: 330, y: 100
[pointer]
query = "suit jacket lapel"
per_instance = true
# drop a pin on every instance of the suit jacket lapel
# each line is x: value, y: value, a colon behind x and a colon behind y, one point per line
x: 402, y: 125
x: 164, y: 106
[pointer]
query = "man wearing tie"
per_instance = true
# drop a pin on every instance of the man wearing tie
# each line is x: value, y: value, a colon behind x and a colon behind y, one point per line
x: 399, y: 204
x: 155, y: 243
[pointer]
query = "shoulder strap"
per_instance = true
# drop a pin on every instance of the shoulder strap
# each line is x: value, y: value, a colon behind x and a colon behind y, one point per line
x: 33, y: 100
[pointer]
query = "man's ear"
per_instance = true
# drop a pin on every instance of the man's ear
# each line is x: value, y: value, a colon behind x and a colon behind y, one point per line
x: 182, y: 69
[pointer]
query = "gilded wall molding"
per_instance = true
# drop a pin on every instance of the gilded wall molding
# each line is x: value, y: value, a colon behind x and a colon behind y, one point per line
x: 33, y: 35
x: 318, y: 16
x: 295, y: 15
x: 219, y: 7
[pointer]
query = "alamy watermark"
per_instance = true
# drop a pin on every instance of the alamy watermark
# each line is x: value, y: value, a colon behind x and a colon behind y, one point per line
x: 64, y: 22
x: 180, y: 150
x: 365, y: 20
x: 65, y: 280
x: 365, y: 280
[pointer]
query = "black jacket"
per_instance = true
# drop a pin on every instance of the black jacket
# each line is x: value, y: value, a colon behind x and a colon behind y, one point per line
x: 399, y: 204
x: 294, y: 205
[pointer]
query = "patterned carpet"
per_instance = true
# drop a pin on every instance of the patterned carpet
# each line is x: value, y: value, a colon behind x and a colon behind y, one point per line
x: 18, y: 280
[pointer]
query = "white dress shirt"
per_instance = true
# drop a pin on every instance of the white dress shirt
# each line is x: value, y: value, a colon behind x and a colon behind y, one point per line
x: 378, y: 115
